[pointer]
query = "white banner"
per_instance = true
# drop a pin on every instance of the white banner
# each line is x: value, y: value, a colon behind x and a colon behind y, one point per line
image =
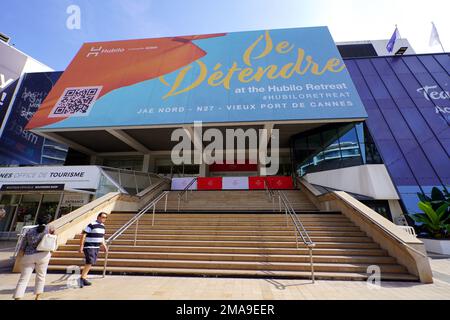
x: 181, y: 183
x: 73, y: 177
x: 235, y: 183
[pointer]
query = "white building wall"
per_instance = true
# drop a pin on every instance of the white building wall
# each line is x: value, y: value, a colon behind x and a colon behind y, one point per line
x: 370, y: 180
x: 33, y: 65
x: 380, y: 46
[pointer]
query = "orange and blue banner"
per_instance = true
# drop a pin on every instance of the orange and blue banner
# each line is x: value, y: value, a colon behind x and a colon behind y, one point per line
x: 284, y: 74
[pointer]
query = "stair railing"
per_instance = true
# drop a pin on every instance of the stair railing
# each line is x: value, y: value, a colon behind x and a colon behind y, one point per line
x: 185, y: 192
x: 270, y: 193
x: 300, y: 231
x: 135, y: 220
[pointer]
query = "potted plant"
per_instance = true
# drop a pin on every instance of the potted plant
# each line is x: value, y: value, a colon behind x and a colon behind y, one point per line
x: 433, y: 223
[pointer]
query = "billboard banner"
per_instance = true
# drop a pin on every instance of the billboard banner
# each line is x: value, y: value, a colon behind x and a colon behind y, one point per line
x: 12, y: 63
x: 284, y: 74
x: 234, y: 183
x: 18, y: 146
x: 76, y: 177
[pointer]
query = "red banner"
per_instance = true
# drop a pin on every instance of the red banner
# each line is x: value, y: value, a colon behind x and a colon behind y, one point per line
x: 279, y: 182
x: 256, y: 183
x: 238, y: 183
x: 209, y: 183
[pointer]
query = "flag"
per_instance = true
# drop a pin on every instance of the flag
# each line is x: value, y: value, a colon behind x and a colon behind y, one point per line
x: 235, y: 183
x: 209, y: 183
x: 391, y: 43
x: 255, y: 183
x: 280, y: 182
x: 434, y: 37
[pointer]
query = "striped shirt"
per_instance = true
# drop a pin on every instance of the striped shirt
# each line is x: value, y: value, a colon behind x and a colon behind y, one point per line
x: 95, y: 233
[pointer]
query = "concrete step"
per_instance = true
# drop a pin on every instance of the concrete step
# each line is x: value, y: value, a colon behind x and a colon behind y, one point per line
x: 232, y: 214
x: 238, y: 244
x: 234, y: 200
x: 238, y: 250
x: 347, y: 276
x: 234, y: 265
x: 239, y: 238
x: 210, y: 215
x: 278, y: 218
x: 213, y: 232
x: 262, y: 244
x: 232, y: 224
x: 235, y: 257
x: 250, y: 229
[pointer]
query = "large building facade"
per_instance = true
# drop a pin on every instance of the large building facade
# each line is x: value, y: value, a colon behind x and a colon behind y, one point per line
x: 345, y: 118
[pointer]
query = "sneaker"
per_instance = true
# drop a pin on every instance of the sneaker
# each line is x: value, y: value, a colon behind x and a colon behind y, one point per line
x: 84, y: 282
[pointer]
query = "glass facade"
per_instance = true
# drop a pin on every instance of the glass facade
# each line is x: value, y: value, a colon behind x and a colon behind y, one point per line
x: 408, y: 103
x: 332, y: 147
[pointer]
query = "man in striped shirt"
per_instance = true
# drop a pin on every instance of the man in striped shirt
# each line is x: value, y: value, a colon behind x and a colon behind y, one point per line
x: 92, y: 239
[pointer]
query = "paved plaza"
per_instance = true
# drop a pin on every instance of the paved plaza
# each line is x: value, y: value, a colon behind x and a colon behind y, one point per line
x: 198, y: 288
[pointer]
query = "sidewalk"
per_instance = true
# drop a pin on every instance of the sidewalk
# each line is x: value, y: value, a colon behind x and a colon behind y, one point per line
x: 177, y: 288
x: 6, y: 252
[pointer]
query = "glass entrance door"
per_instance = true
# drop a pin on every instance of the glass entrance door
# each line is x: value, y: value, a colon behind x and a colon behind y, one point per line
x: 9, y: 204
x: 26, y: 212
x: 49, y: 206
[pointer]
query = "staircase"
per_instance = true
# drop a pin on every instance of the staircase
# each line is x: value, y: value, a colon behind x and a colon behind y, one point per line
x: 255, y: 200
x: 242, y: 243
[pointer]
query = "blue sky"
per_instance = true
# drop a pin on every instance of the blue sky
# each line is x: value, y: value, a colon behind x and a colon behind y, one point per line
x: 38, y: 27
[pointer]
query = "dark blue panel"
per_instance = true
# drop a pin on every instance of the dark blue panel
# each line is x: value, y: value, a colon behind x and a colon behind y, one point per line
x: 414, y: 64
x: 398, y: 168
x: 361, y: 86
x: 444, y: 61
x: 431, y: 64
x: 378, y: 126
x: 352, y: 67
x: 418, y: 162
x: 397, y: 65
x: 366, y: 68
x: 408, y: 105
x: 377, y: 88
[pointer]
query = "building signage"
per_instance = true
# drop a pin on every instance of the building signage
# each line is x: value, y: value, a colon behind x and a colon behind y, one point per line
x: 439, y: 96
x: 12, y: 63
x: 75, y: 200
x: 31, y: 187
x: 77, y: 177
x: 285, y: 74
x: 18, y: 145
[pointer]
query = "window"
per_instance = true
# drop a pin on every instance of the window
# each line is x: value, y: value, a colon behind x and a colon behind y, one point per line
x: 332, y: 147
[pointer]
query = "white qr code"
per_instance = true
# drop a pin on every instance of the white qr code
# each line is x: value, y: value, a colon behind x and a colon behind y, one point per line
x: 75, y: 102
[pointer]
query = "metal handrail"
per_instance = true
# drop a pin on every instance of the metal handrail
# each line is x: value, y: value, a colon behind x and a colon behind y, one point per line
x: 299, y: 228
x: 133, y: 220
x: 185, y: 191
x: 270, y: 193
x: 304, y: 234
